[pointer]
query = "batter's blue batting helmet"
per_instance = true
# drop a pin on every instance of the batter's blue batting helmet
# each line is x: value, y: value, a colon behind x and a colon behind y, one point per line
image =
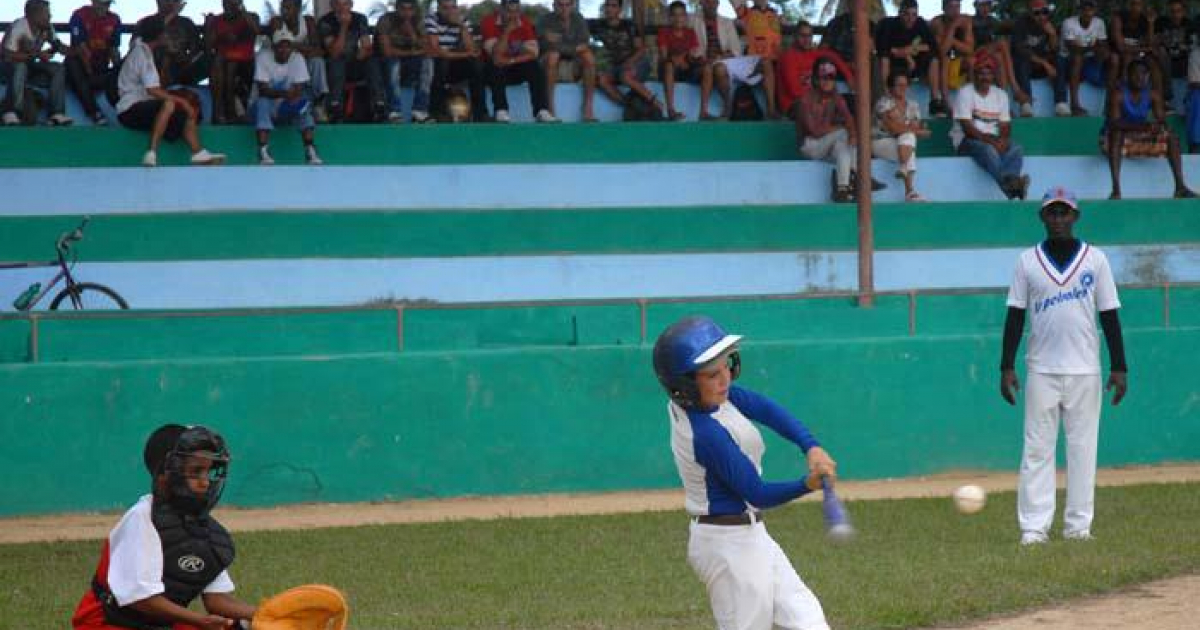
x: 688, y: 345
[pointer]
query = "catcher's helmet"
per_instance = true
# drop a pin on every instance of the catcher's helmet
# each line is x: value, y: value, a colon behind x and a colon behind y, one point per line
x: 688, y: 345
x: 168, y: 450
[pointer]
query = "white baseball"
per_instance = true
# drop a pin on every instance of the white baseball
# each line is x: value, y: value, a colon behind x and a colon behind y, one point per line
x: 969, y: 499
x: 841, y: 533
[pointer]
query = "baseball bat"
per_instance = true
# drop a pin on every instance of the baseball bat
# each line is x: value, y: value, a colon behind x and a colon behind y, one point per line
x: 837, y: 520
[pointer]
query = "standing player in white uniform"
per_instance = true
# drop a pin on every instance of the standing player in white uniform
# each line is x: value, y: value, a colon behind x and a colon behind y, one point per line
x: 1061, y: 283
x: 718, y: 451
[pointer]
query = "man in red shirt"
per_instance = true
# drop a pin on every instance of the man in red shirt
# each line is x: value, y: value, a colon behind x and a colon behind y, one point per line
x: 95, y: 57
x: 796, y: 67
x: 230, y: 38
x: 681, y: 55
x: 511, y: 44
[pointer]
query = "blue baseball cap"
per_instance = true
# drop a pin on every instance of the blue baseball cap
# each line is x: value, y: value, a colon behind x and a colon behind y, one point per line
x: 1059, y: 194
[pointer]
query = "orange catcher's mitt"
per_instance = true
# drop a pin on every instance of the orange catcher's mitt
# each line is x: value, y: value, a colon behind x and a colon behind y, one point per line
x: 307, y: 607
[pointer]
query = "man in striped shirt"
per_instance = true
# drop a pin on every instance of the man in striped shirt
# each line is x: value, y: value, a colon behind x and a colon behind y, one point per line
x: 455, y: 58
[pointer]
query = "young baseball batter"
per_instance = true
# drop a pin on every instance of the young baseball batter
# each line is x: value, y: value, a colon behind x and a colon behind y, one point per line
x: 167, y: 550
x: 718, y: 452
x: 1061, y: 284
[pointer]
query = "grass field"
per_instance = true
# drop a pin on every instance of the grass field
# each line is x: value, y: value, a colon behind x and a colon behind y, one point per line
x: 915, y: 563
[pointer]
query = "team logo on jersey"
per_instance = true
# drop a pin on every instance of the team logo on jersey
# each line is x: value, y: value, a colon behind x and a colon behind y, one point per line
x: 1087, y: 279
x: 191, y: 564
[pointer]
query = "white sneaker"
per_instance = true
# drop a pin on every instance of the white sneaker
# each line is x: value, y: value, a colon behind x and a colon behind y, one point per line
x: 150, y: 159
x: 421, y: 117
x: 395, y: 117
x: 264, y: 156
x: 544, y: 116
x: 1027, y: 110
x: 10, y: 118
x: 61, y: 120
x: 100, y: 120
x: 1079, y: 535
x: 502, y: 116
x: 205, y: 158
x: 1029, y: 539
x: 311, y: 157
x: 1062, y: 109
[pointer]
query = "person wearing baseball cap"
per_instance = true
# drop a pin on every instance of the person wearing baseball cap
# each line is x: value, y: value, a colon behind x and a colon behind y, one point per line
x: 281, y: 81
x: 1034, y: 42
x: 1061, y: 284
x: 983, y: 130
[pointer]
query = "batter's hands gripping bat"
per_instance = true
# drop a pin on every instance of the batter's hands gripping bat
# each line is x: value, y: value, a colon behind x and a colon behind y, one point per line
x: 307, y: 607
x: 837, y: 522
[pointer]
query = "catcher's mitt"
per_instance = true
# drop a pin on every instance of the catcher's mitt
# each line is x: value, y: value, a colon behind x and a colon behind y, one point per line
x: 307, y: 607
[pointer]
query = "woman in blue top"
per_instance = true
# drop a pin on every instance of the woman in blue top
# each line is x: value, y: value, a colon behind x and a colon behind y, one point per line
x: 1129, y: 130
x: 718, y: 452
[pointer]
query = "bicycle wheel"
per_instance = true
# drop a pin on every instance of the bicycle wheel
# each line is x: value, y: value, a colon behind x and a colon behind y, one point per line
x: 91, y: 296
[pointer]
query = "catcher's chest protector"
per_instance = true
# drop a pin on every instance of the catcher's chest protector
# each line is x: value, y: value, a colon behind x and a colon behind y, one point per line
x: 195, y: 552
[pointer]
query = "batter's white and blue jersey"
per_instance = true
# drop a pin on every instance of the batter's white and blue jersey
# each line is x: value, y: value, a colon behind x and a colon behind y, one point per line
x: 719, y: 454
x: 1061, y: 304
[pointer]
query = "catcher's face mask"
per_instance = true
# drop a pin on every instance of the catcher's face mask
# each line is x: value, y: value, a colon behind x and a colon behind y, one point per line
x: 196, y: 469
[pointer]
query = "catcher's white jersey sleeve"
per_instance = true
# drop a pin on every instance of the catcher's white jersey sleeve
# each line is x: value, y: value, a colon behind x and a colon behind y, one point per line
x: 1061, y: 304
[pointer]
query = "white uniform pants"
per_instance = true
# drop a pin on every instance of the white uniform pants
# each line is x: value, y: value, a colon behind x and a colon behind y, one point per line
x: 750, y: 582
x: 832, y: 147
x: 889, y: 149
x: 1075, y: 399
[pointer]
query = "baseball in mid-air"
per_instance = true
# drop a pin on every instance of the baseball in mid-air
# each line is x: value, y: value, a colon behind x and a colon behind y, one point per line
x: 969, y: 499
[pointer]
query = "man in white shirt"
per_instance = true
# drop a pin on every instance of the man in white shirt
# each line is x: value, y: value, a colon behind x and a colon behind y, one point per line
x: 144, y: 104
x: 25, y: 57
x: 1062, y: 283
x: 1083, y: 54
x: 281, y: 80
x: 983, y: 126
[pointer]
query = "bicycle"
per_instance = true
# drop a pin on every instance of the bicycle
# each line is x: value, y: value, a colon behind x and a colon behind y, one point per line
x: 82, y: 295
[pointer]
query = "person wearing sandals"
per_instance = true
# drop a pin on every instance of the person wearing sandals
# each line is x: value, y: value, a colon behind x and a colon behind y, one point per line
x: 897, y: 127
x: 682, y: 56
x: 1129, y: 131
x: 627, y: 62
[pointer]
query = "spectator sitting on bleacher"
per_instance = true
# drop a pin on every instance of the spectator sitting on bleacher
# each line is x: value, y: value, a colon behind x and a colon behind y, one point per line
x: 796, y: 68
x: 904, y: 42
x: 1129, y: 130
x: 565, y: 37
x: 1175, y: 33
x: 955, y: 35
x: 1034, y: 45
x: 764, y: 40
x: 281, y: 81
x: 455, y: 59
x: 982, y: 130
x: 986, y: 28
x: 231, y: 37
x: 145, y: 103
x: 346, y: 35
x: 1133, y: 37
x: 681, y: 57
x: 511, y: 44
x: 627, y: 62
x: 897, y: 127
x: 825, y: 129
x: 402, y: 43
x: 1193, y: 100
x: 95, y: 57
x: 25, y: 56
x: 308, y: 43
x: 719, y: 43
x: 1083, y: 55
x: 840, y: 31
x: 181, y: 59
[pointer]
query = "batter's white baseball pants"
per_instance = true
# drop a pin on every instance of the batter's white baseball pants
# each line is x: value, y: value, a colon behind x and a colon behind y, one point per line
x: 1075, y: 400
x: 750, y: 582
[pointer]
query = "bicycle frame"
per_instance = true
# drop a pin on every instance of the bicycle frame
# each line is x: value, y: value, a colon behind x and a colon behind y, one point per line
x: 64, y: 271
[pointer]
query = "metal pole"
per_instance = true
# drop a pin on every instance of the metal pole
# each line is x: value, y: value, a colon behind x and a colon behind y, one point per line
x: 862, y: 116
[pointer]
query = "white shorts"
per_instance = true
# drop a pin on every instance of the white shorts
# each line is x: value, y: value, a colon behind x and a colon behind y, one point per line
x: 743, y: 69
x: 751, y: 584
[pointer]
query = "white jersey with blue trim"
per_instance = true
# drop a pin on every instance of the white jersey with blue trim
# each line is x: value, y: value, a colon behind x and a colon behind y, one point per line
x: 718, y: 453
x: 1062, y: 303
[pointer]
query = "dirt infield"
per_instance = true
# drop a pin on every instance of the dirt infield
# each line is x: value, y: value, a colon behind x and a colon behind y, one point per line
x: 1164, y: 605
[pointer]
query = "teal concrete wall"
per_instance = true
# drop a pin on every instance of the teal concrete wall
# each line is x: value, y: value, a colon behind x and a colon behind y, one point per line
x: 526, y: 401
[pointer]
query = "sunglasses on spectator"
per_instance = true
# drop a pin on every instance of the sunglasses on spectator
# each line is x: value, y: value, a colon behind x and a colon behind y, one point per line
x: 1041, y: 12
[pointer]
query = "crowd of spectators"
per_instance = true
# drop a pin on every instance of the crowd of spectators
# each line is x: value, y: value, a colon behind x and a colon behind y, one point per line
x: 340, y: 67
